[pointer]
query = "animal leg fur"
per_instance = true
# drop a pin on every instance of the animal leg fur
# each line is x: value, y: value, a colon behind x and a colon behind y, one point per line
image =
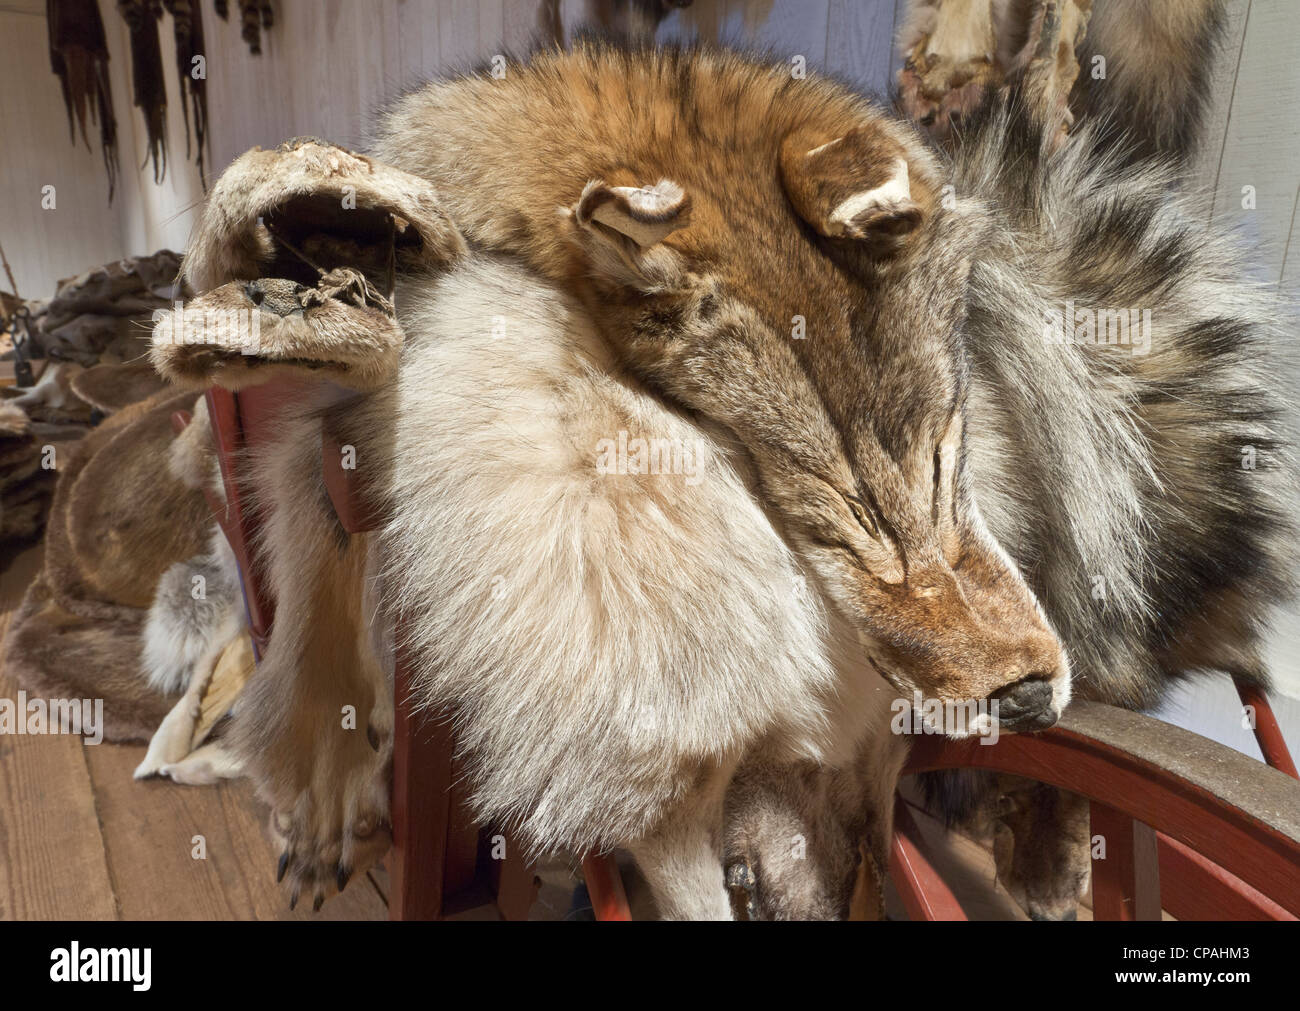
x: 682, y: 859
x: 314, y: 725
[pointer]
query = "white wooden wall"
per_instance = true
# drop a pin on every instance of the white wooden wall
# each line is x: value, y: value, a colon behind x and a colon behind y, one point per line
x: 44, y: 245
x: 329, y: 65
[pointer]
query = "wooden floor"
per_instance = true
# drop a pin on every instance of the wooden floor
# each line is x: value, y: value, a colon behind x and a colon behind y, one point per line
x: 81, y: 840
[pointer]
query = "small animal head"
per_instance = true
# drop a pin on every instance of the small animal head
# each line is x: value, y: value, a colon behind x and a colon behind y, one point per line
x: 1041, y: 844
x: 792, y: 272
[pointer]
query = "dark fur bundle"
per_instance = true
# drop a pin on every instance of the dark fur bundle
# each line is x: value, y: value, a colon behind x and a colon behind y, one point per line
x: 1143, y: 488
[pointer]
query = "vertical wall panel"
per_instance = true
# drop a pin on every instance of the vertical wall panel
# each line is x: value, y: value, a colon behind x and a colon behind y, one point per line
x: 860, y: 44
x: 1262, y: 146
x: 1222, y: 88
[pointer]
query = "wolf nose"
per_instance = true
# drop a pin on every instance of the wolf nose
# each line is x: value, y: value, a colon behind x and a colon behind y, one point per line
x: 1025, y: 705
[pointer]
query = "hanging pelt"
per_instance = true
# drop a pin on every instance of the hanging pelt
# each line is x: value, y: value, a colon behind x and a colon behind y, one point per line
x: 79, y: 57
x: 254, y: 17
x: 142, y: 17
x: 187, y: 23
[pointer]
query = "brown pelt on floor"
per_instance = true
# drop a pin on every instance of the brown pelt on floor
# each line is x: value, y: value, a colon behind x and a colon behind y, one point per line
x: 119, y: 518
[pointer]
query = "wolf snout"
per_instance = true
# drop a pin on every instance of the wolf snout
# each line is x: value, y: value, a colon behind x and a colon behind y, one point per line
x: 1026, y: 705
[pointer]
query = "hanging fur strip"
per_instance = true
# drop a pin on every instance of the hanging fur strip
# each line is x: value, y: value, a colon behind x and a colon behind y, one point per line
x: 142, y: 17
x: 79, y: 57
x: 187, y: 23
x: 254, y: 16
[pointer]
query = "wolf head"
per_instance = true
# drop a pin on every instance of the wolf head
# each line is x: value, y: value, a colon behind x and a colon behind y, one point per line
x: 797, y: 274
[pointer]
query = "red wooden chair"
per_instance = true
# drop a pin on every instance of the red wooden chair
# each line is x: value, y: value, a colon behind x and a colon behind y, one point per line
x: 1191, y: 827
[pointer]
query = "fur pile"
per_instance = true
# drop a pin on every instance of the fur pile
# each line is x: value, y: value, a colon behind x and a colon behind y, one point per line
x: 923, y: 490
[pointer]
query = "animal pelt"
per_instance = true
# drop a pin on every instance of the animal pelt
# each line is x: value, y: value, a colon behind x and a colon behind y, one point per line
x: 54, y: 400
x: 255, y: 16
x: 79, y: 57
x: 184, y: 626
x: 585, y: 644
x: 25, y: 485
x: 109, y: 388
x: 1148, y: 499
x: 148, y: 88
x: 1153, y: 97
x: 604, y: 692
x: 195, y: 642
x: 706, y: 704
x: 1138, y: 99
x: 103, y: 315
x: 187, y: 30
x: 696, y: 266
x: 118, y: 521
x: 306, y: 207
x: 1136, y: 71
x: 39, y: 426
x: 339, y: 328
x: 1114, y: 477
x: 573, y: 642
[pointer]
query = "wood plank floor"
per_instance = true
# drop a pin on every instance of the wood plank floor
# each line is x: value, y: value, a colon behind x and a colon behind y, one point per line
x: 81, y: 840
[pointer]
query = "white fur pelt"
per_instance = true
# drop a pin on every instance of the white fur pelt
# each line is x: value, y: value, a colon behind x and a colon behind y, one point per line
x: 198, y: 606
x: 604, y: 639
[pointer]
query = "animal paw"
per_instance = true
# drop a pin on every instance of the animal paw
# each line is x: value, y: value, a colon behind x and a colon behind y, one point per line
x: 173, y: 739
x: 336, y: 826
x: 950, y: 63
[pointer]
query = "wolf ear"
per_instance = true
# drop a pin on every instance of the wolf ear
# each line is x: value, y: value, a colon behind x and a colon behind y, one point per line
x: 645, y: 215
x: 622, y: 228
x: 857, y: 186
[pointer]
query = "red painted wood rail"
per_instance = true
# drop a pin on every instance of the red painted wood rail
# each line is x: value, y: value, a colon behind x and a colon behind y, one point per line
x: 1224, y: 824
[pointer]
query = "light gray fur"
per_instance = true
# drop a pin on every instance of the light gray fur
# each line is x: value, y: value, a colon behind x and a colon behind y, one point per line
x: 187, y: 619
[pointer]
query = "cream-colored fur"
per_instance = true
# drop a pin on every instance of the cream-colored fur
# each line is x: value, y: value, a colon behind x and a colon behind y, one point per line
x: 612, y: 645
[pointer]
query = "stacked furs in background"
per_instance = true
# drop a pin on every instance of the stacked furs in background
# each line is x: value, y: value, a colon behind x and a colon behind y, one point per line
x: 25, y: 486
x: 91, y: 336
x: 105, y: 314
x: 128, y: 506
